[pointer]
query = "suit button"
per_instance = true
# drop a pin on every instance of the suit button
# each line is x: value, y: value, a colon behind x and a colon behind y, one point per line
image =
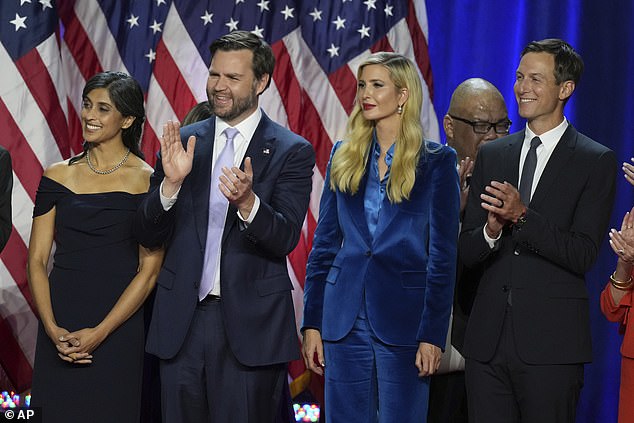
x: 505, y: 288
x: 516, y: 252
x: 368, y: 253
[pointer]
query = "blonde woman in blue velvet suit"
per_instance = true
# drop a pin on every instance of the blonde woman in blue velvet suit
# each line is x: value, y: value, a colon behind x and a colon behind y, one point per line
x: 379, y: 283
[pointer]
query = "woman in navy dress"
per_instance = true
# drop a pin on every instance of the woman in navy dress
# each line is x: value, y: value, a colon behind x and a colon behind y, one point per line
x: 90, y: 344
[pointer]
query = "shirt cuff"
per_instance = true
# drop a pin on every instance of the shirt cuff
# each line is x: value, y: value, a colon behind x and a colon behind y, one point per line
x: 254, y: 210
x: 488, y: 239
x: 168, y: 202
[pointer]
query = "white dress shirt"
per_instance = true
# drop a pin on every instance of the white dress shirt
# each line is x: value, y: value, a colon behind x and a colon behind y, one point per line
x: 544, y: 151
x: 246, y: 129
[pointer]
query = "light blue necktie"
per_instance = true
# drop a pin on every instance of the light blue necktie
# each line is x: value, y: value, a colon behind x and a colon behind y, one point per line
x: 217, y: 213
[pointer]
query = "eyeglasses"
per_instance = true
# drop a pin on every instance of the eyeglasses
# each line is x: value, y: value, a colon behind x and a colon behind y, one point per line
x: 481, y: 127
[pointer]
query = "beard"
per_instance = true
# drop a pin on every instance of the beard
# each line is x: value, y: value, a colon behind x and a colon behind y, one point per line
x: 239, y: 105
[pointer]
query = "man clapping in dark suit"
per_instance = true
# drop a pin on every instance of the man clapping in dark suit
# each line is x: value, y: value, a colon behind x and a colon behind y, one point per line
x: 227, y: 199
x: 538, y: 208
x: 477, y: 114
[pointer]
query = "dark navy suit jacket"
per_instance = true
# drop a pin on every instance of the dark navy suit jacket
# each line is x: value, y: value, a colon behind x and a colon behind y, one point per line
x: 544, y: 261
x: 405, y: 273
x: 256, y: 289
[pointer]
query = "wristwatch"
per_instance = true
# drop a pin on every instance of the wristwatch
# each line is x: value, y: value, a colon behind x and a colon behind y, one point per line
x: 520, y: 221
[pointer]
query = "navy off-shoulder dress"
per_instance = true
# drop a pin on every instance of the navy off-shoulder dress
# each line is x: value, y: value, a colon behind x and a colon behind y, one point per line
x: 95, y: 260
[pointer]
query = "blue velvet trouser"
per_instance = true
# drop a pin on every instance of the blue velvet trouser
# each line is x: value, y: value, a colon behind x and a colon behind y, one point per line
x: 370, y: 381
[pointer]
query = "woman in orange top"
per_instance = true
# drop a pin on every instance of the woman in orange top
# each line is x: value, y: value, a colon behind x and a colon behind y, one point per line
x: 616, y: 302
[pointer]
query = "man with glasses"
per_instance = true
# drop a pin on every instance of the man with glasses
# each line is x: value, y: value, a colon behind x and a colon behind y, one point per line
x: 538, y: 208
x: 477, y: 114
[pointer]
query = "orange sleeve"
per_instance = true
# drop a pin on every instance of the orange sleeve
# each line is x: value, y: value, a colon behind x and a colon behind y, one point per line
x: 614, y: 312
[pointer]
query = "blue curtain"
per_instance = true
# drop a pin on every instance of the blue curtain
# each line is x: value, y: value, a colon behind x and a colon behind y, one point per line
x: 472, y: 38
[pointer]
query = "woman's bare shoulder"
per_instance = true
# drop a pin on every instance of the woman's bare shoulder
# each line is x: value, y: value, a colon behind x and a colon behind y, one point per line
x: 142, y: 172
x: 59, y: 172
x: 140, y: 165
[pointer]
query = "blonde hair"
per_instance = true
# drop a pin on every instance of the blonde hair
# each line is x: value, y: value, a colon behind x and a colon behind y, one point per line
x: 350, y: 160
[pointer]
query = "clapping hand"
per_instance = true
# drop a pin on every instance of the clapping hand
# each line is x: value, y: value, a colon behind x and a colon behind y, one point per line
x: 237, y: 186
x: 628, y: 169
x: 176, y: 161
x: 465, y: 169
x: 503, y: 204
x: 622, y: 242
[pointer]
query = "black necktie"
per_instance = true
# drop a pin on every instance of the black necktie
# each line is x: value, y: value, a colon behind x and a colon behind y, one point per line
x: 528, y: 171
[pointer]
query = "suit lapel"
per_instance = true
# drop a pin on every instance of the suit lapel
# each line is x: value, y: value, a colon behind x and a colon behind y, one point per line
x: 556, y: 164
x: 512, y: 158
x: 356, y: 207
x: 261, y: 149
x: 387, y: 213
x: 201, y: 174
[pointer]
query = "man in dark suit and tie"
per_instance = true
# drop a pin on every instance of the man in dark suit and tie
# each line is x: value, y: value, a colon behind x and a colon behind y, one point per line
x: 528, y: 334
x: 6, y: 187
x: 227, y: 199
x: 477, y: 114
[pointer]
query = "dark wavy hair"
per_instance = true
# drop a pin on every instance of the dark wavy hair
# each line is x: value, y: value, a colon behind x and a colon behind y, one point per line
x: 127, y: 96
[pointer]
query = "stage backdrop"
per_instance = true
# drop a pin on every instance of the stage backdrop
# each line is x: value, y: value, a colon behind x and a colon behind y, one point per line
x: 472, y: 38
x: 50, y: 48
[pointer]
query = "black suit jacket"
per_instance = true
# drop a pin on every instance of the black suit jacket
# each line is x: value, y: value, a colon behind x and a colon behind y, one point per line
x: 256, y: 289
x: 467, y: 280
x: 6, y: 185
x: 544, y: 260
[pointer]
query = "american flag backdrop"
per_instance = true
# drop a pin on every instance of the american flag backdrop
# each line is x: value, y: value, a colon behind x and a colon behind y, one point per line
x: 50, y: 48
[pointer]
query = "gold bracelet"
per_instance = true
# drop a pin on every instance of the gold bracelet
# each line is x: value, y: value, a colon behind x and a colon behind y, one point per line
x: 615, y: 280
x: 622, y: 285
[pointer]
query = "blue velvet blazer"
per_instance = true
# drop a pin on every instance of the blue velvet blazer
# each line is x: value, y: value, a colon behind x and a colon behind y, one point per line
x: 405, y: 273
